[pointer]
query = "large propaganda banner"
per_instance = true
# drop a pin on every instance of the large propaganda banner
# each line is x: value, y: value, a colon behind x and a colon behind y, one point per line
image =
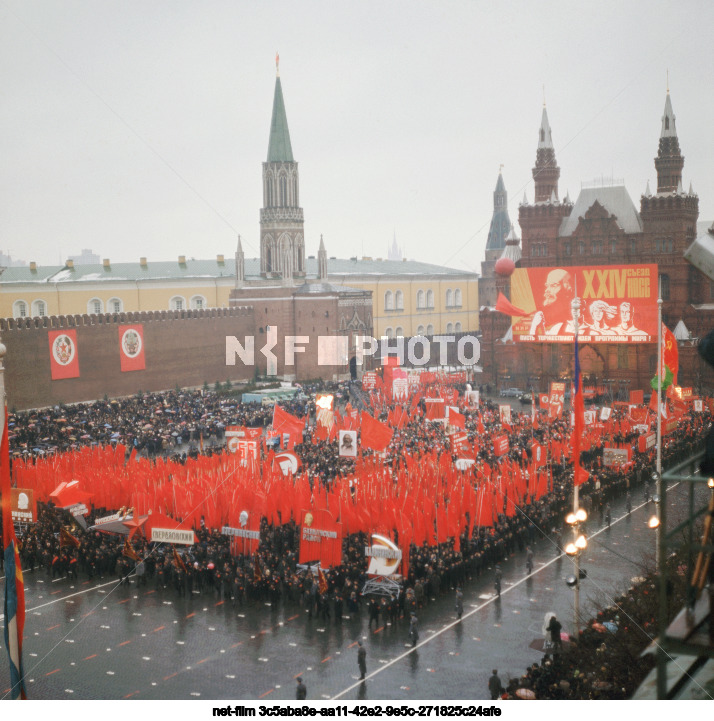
x: 618, y: 304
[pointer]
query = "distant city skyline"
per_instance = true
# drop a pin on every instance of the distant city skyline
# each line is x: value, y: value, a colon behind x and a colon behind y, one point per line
x: 140, y: 130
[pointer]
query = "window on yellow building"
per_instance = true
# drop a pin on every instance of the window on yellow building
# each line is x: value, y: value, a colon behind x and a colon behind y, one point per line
x: 19, y: 309
x: 95, y: 306
x: 399, y: 298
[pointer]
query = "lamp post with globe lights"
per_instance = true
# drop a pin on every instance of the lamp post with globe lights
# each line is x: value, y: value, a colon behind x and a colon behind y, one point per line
x: 574, y: 549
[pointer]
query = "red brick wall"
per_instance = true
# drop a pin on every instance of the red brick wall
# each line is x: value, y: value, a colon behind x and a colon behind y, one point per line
x: 185, y: 348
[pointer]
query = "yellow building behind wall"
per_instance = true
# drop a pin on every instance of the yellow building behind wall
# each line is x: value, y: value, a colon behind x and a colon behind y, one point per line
x: 409, y: 297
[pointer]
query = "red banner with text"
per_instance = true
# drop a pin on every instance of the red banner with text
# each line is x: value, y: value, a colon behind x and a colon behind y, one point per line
x: 618, y: 304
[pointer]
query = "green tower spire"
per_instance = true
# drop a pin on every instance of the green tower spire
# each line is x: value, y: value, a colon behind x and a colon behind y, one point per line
x: 279, y: 148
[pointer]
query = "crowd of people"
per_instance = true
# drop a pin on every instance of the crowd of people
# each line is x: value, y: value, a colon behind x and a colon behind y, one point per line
x: 215, y: 565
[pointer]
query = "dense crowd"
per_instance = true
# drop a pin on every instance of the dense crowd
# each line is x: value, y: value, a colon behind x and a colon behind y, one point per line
x: 215, y: 565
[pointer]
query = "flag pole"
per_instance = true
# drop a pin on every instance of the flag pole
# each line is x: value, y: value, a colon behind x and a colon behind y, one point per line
x: 576, y: 462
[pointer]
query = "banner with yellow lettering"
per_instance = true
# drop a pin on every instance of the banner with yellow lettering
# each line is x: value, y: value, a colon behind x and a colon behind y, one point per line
x: 618, y: 304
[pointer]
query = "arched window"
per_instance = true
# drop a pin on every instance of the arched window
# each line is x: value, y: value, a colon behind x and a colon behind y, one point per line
x: 198, y: 302
x: 449, y: 327
x: 95, y: 307
x: 177, y: 303
x: 664, y: 286
x: 115, y: 305
x: 429, y: 298
x: 399, y: 300
x: 388, y: 300
x: 283, y: 191
x: 19, y: 309
x: 388, y: 333
x: 420, y: 330
x: 39, y: 308
x: 449, y: 298
x: 399, y: 332
x: 420, y: 299
x: 457, y: 297
x: 457, y: 328
x: 430, y: 329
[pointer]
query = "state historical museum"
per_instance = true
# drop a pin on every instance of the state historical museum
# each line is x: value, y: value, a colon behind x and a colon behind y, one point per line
x: 602, y: 227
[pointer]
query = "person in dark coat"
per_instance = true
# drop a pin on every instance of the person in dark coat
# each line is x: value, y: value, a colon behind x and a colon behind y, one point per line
x: 361, y: 659
x: 301, y: 690
x: 414, y: 629
x: 494, y: 685
x: 459, y: 602
x: 554, y: 626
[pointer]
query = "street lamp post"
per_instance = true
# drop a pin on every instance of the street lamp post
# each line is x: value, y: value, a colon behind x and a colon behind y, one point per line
x: 574, y: 549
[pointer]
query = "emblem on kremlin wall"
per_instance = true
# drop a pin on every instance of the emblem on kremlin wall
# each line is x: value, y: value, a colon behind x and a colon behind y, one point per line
x: 63, y: 350
x: 131, y: 343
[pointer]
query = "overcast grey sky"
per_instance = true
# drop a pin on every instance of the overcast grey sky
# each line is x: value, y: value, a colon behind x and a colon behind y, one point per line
x: 138, y: 128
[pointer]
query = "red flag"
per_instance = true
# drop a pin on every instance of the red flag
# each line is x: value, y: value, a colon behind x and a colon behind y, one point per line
x: 131, y: 348
x: 129, y: 552
x: 670, y: 352
x: 64, y: 354
x: 284, y: 422
x: 14, y: 605
x: 67, y: 539
x: 322, y: 582
x: 375, y: 435
x: 503, y: 305
x: 579, y: 476
x: 456, y: 419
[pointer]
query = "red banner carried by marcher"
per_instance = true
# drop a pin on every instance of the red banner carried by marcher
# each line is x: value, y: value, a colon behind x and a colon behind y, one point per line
x: 500, y: 445
x: 557, y: 399
x: 131, y: 348
x: 374, y: 435
x: 320, y: 538
x: 637, y: 398
x: 64, y: 354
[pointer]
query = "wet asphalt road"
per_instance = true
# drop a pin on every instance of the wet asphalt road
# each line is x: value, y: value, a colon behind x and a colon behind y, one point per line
x: 100, y: 640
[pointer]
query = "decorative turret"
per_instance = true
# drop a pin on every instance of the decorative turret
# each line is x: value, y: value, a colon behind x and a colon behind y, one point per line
x: 322, y: 261
x: 240, y: 265
x: 669, y: 161
x: 500, y: 222
x: 546, y: 171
